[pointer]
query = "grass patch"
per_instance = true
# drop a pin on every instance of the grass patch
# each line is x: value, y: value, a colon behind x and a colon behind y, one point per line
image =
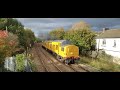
x: 33, y: 65
x: 102, y: 63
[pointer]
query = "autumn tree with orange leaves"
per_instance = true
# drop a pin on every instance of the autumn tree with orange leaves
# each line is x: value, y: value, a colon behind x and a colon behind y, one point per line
x: 8, y: 46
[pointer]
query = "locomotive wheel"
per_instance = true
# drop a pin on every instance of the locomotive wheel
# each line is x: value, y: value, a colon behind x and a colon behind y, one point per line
x: 55, y: 55
x: 66, y: 62
x: 72, y: 61
x: 59, y: 58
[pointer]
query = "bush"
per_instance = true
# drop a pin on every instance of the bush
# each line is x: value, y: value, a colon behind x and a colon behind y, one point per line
x: 103, y: 56
x: 20, y: 66
x: 20, y: 62
x: 103, y: 63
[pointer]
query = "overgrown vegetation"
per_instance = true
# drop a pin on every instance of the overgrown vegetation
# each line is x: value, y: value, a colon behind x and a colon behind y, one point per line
x: 18, y: 38
x: 20, y: 65
x: 103, y: 62
x: 38, y: 40
x: 25, y: 36
x: 20, y: 60
x: 8, y: 46
x: 33, y: 66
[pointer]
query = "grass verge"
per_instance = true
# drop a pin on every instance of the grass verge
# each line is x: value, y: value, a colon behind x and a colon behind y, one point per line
x: 103, y: 63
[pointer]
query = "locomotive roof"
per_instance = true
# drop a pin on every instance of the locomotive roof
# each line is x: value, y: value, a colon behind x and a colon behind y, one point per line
x: 66, y: 45
x: 59, y: 40
x: 63, y: 42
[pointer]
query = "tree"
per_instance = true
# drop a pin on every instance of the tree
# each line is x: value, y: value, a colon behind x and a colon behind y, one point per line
x: 57, y: 34
x: 81, y: 36
x: 8, y: 46
x: 81, y: 25
x: 13, y: 25
x: 25, y: 36
x: 28, y: 37
x: 38, y: 39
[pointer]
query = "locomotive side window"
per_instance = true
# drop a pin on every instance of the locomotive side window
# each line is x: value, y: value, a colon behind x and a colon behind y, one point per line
x: 56, y: 47
x: 62, y: 49
x: 53, y: 46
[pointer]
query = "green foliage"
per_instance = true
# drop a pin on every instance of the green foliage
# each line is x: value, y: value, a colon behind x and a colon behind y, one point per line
x: 103, y: 63
x: 18, y: 36
x: 103, y: 56
x: 20, y: 62
x: 38, y: 40
x: 2, y: 55
x: 33, y: 66
x: 25, y: 36
x: 29, y: 38
x: 57, y: 34
x: 13, y: 25
x: 83, y: 38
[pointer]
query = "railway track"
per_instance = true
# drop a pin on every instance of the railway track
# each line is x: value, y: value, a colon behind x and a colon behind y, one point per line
x: 52, y: 62
x: 43, y: 65
x: 41, y: 55
x: 78, y: 68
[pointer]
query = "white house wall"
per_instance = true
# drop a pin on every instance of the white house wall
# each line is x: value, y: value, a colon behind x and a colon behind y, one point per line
x: 109, y: 49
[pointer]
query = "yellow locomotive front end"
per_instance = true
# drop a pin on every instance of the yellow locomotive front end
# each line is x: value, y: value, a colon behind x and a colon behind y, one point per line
x: 70, y: 54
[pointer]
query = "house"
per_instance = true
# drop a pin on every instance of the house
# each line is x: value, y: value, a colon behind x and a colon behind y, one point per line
x: 109, y: 41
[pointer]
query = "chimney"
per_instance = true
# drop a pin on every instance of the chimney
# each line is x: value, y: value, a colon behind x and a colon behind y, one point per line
x: 104, y: 29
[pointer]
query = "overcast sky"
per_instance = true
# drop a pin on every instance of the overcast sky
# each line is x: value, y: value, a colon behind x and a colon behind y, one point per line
x: 42, y: 25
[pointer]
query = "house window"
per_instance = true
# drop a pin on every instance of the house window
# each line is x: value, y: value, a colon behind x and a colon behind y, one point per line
x: 104, y: 42
x: 114, y: 43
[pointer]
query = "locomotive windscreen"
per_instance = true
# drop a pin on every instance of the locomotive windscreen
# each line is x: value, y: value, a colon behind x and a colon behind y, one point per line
x: 65, y: 42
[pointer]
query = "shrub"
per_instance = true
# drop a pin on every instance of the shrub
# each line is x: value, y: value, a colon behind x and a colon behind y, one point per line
x: 20, y: 62
x: 103, y: 63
